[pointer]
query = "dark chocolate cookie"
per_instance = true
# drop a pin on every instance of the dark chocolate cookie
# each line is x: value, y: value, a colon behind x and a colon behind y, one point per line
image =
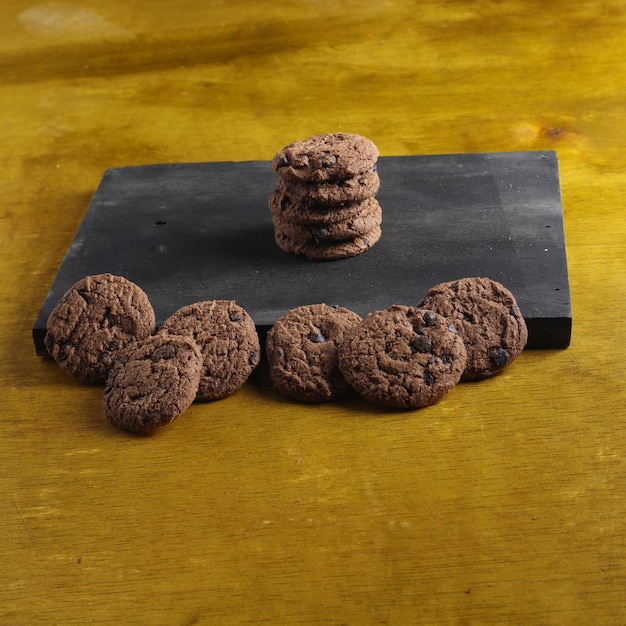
x: 152, y: 382
x: 302, y: 352
x: 488, y: 318
x: 328, y: 250
x: 402, y: 357
x: 354, y: 189
x: 300, y: 212
x: 356, y: 226
x: 97, y: 317
x: 329, y: 156
x: 228, y: 339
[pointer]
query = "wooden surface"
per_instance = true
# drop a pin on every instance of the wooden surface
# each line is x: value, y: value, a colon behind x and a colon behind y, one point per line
x: 503, y: 504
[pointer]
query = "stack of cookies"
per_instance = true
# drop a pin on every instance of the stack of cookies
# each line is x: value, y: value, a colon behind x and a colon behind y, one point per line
x: 323, y: 206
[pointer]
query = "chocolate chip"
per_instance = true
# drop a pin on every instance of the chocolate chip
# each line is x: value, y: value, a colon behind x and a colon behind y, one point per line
x: 499, y: 357
x: 85, y: 296
x: 64, y: 351
x: 282, y: 161
x: 167, y: 351
x: 319, y: 232
x: 421, y: 344
x: 235, y: 316
x: 253, y: 359
x: 149, y: 419
x: 110, y: 319
x: 429, y: 318
x: 429, y: 379
x: 446, y: 358
x: 468, y: 317
x: 329, y: 160
x: 317, y: 337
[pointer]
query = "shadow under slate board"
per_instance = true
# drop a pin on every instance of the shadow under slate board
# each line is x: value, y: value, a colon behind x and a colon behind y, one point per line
x: 187, y: 232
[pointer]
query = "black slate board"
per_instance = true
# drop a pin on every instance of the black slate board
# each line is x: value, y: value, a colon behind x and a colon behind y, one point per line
x: 187, y: 232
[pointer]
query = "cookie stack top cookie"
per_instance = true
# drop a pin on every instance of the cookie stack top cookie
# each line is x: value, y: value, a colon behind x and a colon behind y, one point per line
x: 323, y: 206
x: 329, y: 156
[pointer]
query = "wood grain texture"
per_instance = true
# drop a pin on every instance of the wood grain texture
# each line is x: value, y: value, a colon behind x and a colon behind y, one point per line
x: 503, y: 504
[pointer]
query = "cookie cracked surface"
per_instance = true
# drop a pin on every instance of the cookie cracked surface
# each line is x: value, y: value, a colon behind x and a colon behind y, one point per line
x: 328, y: 156
x: 402, y: 357
x: 228, y: 340
x: 487, y: 317
x: 96, y: 318
x: 152, y: 383
x: 302, y: 348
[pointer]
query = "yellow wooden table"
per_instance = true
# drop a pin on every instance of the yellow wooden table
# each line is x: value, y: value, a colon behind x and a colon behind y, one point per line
x: 503, y: 504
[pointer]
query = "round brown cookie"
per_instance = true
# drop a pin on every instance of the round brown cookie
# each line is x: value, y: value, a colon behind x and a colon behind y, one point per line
x: 328, y: 156
x: 329, y: 250
x: 152, y: 382
x: 354, y: 189
x: 300, y: 212
x: 97, y: 316
x: 349, y: 228
x: 228, y: 340
x: 488, y: 318
x: 301, y: 350
x: 402, y: 357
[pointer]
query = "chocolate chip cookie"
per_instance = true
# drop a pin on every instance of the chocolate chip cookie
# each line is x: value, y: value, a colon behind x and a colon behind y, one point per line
x: 97, y: 317
x: 329, y: 156
x: 365, y: 221
x: 487, y: 317
x: 292, y: 210
x: 328, y: 250
x: 332, y: 192
x: 152, y: 383
x: 301, y: 350
x: 228, y: 340
x: 402, y: 357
